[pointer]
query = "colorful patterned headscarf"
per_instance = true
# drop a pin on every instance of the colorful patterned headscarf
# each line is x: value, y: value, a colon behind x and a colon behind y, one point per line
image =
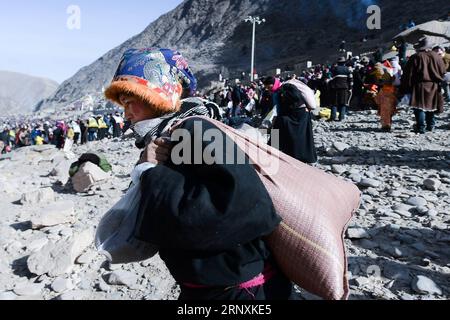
x: 156, y: 76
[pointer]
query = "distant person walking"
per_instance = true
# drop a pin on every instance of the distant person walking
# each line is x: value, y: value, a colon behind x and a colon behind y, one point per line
x: 77, y: 131
x: 93, y: 129
x: 294, y: 123
x: 445, y: 84
x: 117, y: 122
x: 341, y: 86
x: 84, y: 131
x: 422, y: 78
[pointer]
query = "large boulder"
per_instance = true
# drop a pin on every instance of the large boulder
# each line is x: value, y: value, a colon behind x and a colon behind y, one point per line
x: 54, y: 214
x: 56, y: 259
x: 44, y: 195
x: 61, y: 171
x: 87, y: 176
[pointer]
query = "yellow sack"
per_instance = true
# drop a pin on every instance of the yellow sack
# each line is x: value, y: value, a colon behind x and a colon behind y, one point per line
x: 318, y: 93
x: 326, y: 113
x: 39, y: 140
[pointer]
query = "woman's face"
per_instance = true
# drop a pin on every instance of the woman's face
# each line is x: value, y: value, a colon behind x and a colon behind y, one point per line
x: 135, y: 109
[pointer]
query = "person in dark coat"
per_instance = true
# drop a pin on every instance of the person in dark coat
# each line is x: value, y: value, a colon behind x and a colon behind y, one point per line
x: 358, y: 88
x: 208, y: 220
x: 422, y: 78
x: 295, y: 126
x: 84, y: 131
x: 341, y: 89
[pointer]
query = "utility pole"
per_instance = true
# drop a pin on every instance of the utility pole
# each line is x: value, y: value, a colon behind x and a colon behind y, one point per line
x: 254, y: 21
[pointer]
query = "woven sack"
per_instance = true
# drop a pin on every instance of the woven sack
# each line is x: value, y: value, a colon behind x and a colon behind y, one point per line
x: 316, y: 208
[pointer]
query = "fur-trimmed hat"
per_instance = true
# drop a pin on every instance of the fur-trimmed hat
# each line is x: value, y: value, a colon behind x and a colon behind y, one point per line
x: 156, y: 76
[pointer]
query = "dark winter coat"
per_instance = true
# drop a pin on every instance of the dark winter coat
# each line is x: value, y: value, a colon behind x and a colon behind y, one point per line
x: 294, y: 123
x: 340, y: 86
x: 208, y: 220
x: 422, y: 78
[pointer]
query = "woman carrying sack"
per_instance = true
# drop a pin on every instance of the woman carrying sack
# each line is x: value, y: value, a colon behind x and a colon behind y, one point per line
x: 208, y: 220
x: 294, y: 123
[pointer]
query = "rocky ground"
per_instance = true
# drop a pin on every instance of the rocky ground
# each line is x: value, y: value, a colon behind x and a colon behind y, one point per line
x: 398, y: 242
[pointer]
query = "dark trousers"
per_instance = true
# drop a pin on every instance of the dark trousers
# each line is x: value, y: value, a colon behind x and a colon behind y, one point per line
x: 278, y: 288
x: 342, y: 109
x: 92, y: 133
x: 76, y: 137
x: 445, y: 86
x: 102, y: 133
x: 117, y: 131
x: 425, y: 120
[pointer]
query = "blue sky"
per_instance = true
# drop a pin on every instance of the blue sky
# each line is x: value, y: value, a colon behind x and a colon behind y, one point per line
x: 35, y: 39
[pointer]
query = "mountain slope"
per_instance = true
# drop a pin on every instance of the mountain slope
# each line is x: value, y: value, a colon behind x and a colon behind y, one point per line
x: 19, y: 93
x: 213, y: 36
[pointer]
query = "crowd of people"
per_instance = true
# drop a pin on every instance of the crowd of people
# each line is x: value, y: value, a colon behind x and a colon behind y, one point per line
x: 380, y: 82
x: 81, y: 131
x: 209, y: 221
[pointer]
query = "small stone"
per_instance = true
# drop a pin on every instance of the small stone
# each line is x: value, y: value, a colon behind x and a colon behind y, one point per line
x: 338, y: 169
x: 37, y: 244
x: 417, y: 202
x: 57, y: 213
x: 355, y: 177
x: 396, y: 252
x: 29, y: 289
x: 402, y: 213
x: 424, y: 285
x: 432, y: 184
x: 85, y: 284
x: 367, y: 182
x: 87, y: 176
x: 432, y: 213
x: 357, y: 233
x: 394, y: 227
x: 86, y: 257
x: 44, y: 195
x: 339, y: 146
x: 425, y: 262
x: 413, y: 178
x: 57, y: 259
x: 370, y: 174
x: 401, y: 207
x: 60, y: 285
x: 66, y: 232
x: 125, y: 278
x: 394, y: 193
x: 103, y: 286
x: 373, y: 192
x: 392, y: 215
x: 407, y: 297
x: 361, y: 281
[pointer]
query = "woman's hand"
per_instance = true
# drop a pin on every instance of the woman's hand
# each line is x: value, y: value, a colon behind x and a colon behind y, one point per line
x: 158, y: 152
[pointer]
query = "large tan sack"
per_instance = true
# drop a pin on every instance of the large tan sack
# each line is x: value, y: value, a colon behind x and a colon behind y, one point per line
x: 316, y: 208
